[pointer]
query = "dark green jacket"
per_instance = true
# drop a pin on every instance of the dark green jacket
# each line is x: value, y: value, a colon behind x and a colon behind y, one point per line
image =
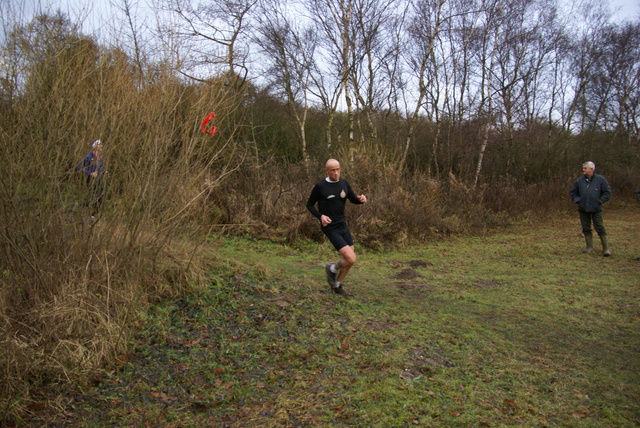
x: 590, y: 193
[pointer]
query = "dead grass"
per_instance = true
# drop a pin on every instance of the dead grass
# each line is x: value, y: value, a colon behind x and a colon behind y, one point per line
x: 516, y: 328
x: 74, y: 291
x: 72, y: 288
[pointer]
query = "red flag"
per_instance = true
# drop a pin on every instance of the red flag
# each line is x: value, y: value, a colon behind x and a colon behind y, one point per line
x: 213, y: 129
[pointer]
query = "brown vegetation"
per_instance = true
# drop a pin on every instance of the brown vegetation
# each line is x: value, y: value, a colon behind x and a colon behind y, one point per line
x: 71, y: 289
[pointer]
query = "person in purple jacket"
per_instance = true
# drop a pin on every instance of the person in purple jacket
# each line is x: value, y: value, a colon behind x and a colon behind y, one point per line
x: 589, y: 192
x: 331, y: 195
x: 92, y: 166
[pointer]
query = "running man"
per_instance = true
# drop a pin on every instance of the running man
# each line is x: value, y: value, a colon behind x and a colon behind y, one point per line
x: 331, y: 195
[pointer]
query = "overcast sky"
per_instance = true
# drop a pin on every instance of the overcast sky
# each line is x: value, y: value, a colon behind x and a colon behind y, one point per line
x: 629, y: 9
x: 626, y: 9
x: 98, y: 14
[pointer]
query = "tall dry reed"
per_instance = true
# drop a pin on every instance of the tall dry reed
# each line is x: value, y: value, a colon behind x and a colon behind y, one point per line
x: 72, y: 287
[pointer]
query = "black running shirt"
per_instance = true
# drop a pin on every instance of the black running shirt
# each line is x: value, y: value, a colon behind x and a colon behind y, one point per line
x: 331, y: 197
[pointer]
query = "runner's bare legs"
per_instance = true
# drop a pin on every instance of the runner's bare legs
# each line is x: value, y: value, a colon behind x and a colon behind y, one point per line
x: 344, y: 265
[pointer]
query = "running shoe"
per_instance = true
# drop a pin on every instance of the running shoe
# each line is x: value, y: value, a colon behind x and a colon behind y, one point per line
x: 340, y: 290
x: 331, y: 276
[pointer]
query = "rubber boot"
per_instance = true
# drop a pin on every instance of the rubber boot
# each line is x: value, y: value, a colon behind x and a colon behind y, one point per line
x: 605, y: 246
x: 588, y: 238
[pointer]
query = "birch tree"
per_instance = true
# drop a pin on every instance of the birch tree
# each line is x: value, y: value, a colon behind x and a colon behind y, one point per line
x: 373, y: 47
x: 334, y: 18
x: 287, y: 48
x: 493, y: 18
x: 423, y: 32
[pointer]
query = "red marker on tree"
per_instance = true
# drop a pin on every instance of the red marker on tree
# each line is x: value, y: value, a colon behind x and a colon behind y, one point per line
x: 213, y: 129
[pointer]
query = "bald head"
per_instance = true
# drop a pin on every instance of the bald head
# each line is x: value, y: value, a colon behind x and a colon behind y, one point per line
x: 331, y: 162
x: 332, y: 168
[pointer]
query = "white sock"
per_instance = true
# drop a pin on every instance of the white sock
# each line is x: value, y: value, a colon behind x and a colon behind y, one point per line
x: 332, y: 268
x: 338, y: 284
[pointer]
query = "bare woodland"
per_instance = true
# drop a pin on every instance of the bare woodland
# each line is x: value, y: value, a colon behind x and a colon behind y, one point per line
x: 454, y: 116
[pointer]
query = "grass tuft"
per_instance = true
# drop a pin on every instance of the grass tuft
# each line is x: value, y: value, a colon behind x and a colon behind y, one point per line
x: 516, y: 328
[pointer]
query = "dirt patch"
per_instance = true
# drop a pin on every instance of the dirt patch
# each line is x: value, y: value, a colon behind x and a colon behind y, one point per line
x: 419, y: 263
x: 423, y: 361
x: 379, y: 325
x: 283, y: 301
x: 412, y: 286
x: 407, y: 274
x: 487, y: 283
x: 414, y: 264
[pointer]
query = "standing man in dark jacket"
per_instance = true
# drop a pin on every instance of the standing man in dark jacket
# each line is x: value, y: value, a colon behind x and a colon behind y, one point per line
x: 331, y: 195
x: 591, y: 191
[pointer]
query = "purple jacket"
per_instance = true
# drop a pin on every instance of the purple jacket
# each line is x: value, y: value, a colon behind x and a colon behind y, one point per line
x: 89, y: 165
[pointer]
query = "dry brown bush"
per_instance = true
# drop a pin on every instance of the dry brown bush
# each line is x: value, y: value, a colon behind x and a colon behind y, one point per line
x: 71, y: 288
x: 269, y: 201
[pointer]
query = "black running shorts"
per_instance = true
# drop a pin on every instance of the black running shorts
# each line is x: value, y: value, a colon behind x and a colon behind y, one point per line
x: 339, y: 235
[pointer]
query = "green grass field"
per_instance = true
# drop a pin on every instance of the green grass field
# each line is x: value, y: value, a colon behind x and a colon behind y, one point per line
x: 517, y: 328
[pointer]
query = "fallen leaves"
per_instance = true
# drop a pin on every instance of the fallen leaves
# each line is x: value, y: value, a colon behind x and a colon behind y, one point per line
x: 164, y: 397
x: 284, y: 301
x: 122, y: 359
x: 509, y: 403
x: 579, y: 414
x: 192, y: 343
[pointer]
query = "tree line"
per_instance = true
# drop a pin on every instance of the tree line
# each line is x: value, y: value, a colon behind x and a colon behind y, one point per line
x: 472, y: 88
x: 440, y: 83
x: 454, y: 116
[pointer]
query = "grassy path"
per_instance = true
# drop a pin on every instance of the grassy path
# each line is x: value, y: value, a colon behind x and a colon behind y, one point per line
x: 514, y: 329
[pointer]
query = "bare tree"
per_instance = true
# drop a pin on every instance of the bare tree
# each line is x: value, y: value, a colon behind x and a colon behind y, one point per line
x: 13, y: 62
x: 135, y: 33
x: 334, y: 19
x: 458, y: 66
x: 548, y: 83
x: 627, y: 80
x: 616, y: 79
x: 523, y: 54
x: 494, y: 16
x: 373, y: 49
x: 423, y: 33
x: 287, y: 49
x: 584, y: 57
x: 217, y: 34
x: 392, y: 68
